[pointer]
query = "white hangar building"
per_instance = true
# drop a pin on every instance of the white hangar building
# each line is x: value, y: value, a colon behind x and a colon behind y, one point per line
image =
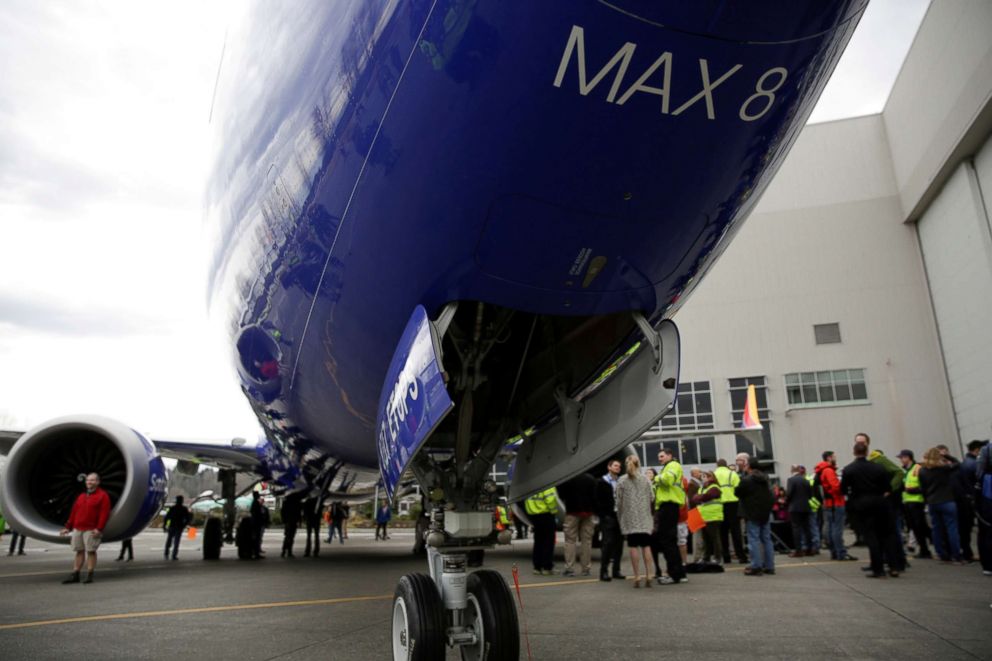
x: 858, y: 296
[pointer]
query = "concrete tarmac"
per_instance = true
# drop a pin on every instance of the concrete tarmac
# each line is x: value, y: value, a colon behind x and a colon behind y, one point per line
x: 338, y: 606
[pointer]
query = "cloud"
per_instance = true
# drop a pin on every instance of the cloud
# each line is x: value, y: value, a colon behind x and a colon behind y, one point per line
x: 31, y: 176
x: 38, y: 316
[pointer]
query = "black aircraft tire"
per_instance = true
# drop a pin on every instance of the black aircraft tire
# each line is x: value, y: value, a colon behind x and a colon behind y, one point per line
x: 498, y: 616
x: 418, y: 632
x: 213, y: 539
x: 244, y: 540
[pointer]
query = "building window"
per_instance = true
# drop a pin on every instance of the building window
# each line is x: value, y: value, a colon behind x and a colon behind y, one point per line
x: 693, y: 410
x: 738, y: 397
x: 827, y: 333
x: 828, y: 387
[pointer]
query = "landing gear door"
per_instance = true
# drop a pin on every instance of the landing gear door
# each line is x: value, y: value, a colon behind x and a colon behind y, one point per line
x: 413, y: 400
x: 610, y: 419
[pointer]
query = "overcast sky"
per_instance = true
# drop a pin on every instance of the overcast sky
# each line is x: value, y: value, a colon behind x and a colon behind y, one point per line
x: 103, y: 158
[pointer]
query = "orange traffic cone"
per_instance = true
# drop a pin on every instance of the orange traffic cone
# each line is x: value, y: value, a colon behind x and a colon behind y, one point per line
x: 192, y: 532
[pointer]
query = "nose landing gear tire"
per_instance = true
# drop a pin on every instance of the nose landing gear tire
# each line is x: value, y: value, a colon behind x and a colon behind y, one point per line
x: 212, y: 539
x: 244, y: 540
x: 418, y: 620
x: 493, y: 615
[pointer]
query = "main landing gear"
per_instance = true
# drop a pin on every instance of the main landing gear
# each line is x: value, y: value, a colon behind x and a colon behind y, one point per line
x: 450, y: 606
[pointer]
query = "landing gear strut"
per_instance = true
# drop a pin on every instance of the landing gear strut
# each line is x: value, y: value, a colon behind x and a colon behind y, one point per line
x: 472, y: 611
x: 449, y: 606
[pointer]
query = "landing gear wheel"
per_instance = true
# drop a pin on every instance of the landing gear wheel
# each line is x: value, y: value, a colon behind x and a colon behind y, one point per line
x: 212, y: 539
x: 244, y: 540
x: 418, y: 620
x: 493, y: 615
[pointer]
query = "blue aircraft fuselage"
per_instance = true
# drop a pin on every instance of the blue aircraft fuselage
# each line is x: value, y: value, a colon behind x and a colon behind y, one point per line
x: 564, y: 158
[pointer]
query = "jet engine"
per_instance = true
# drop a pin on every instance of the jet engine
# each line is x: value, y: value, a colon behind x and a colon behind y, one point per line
x: 47, y: 467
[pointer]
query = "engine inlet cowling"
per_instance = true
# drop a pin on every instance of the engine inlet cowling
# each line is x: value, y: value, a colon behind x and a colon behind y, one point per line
x: 47, y: 469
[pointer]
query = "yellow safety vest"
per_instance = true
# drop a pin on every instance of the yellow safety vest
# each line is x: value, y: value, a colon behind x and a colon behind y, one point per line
x: 814, y: 502
x: 711, y: 510
x: 668, y: 485
x: 501, y: 512
x: 911, y: 480
x: 543, y: 502
x: 727, y: 480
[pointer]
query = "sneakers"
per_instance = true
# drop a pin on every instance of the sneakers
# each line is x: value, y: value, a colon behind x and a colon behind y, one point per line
x: 666, y: 580
x: 847, y: 558
x: 586, y: 572
x: 73, y: 578
x: 768, y: 572
x: 568, y: 572
x: 752, y: 571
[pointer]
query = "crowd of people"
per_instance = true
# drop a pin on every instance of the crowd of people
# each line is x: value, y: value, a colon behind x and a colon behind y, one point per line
x: 894, y: 508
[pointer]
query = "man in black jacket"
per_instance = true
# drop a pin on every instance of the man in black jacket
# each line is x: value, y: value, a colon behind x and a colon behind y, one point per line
x: 756, y: 502
x: 609, y: 525
x: 311, y: 514
x: 176, y: 520
x: 797, y: 495
x: 290, y: 521
x: 866, y: 486
x: 257, y: 512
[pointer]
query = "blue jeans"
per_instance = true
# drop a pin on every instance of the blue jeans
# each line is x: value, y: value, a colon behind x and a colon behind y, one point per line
x: 944, y: 521
x: 759, y: 542
x: 834, y: 517
x: 814, y: 530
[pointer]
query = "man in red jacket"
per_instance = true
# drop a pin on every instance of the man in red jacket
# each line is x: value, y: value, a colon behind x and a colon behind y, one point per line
x: 86, y: 522
x: 833, y: 506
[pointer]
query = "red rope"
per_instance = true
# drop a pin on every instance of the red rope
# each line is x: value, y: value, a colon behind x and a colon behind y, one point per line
x: 516, y: 583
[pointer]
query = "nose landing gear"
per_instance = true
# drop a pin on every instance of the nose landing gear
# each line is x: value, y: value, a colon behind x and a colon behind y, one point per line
x: 471, y: 611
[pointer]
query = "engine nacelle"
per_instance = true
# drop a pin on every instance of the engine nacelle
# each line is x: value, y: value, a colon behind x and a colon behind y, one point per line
x: 47, y: 467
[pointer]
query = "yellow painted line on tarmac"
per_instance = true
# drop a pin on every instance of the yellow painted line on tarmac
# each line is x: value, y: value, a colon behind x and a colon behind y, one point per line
x: 135, y: 568
x: 552, y: 584
x: 35, y: 573
x: 791, y: 564
x: 287, y: 604
x: 193, y: 611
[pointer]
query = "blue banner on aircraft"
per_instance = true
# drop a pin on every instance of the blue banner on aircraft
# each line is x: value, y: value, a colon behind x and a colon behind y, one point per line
x: 413, y: 400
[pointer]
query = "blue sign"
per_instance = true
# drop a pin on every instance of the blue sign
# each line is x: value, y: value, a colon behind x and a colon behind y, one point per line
x: 413, y: 399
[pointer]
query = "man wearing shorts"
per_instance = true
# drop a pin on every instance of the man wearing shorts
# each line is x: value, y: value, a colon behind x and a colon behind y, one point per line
x: 86, y: 522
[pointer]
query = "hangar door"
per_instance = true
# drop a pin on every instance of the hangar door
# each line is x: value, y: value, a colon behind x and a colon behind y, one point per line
x: 956, y: 242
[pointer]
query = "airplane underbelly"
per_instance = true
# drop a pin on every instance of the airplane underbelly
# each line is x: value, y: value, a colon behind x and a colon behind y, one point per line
x: 557, y: 158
